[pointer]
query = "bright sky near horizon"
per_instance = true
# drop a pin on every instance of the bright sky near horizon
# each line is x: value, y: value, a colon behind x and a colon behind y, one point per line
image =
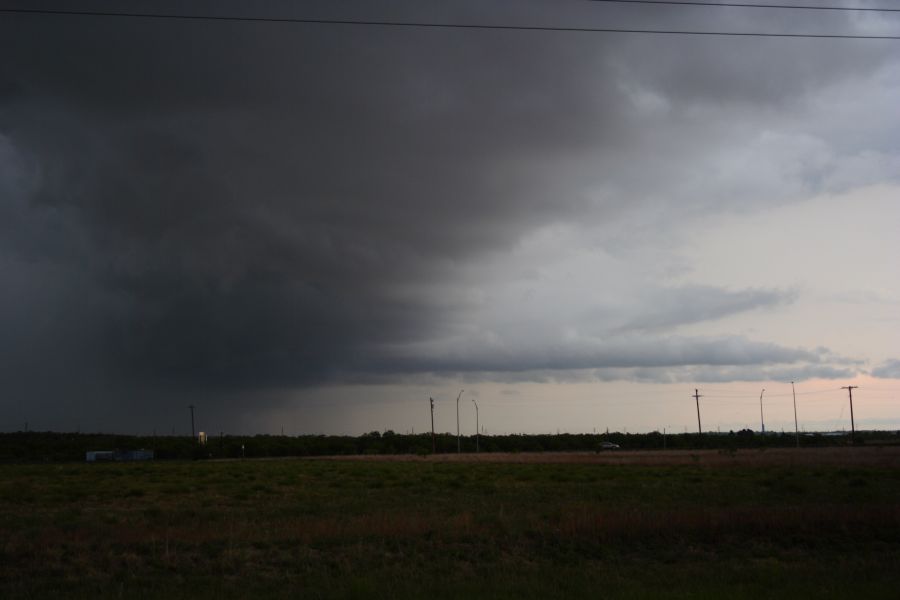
x: 318, y: 227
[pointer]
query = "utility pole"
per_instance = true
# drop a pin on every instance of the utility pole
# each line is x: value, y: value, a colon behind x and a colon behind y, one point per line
x: 850, y: 389
x: 457, y: 421
x: 193, y: 434
x: 476, y: 424
x: 796, y: 428
x: 433, y: 444
x: 762, y: 423
x: 697, y: 397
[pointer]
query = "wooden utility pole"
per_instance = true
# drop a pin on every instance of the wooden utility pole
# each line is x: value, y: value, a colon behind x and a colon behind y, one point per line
x: 433, y: 444
x: 193, y: 434
x: 850, y: 389
x: 697, y: 397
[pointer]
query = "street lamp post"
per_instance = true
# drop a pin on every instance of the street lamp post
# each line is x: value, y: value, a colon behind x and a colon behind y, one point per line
x: 476, y: 424
x: 762, y: 423
x: 458, y: 446
x: 796, y: 429
x: 433, y: 444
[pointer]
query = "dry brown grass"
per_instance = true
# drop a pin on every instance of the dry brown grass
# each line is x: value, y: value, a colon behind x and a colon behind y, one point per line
x: 323, y: 522
x: 834, y: 457
x: 716, y: 522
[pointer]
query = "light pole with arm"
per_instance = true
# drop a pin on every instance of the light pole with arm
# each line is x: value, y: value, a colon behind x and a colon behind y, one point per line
x: 458, y: 450
x: 796, y: 428
x: 762, y: 424
x: 433, y: 444
x: 476, y: 424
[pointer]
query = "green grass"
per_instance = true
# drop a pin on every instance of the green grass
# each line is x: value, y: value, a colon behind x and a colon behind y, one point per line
x: 325, y: 529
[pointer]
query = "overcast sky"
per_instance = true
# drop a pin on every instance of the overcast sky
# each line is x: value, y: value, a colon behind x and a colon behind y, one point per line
x: 318, y: 226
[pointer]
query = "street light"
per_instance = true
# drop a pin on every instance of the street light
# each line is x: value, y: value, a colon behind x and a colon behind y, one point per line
x: 433, y: 445
x: 761, y: 422
x: 458, y: 450
x: 476, y: 424
x: 796, y: 429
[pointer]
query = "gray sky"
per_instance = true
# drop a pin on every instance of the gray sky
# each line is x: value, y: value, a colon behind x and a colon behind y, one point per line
x: 320, y: 226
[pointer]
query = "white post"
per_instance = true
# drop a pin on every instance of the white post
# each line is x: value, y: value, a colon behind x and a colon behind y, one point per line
x: 457, y: 421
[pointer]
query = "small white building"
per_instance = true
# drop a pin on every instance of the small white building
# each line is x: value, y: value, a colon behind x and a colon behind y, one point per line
x: 118, y: 455
x: 100, y: 455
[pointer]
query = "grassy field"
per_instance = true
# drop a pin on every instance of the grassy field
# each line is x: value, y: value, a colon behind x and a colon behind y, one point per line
x: 748, y: 524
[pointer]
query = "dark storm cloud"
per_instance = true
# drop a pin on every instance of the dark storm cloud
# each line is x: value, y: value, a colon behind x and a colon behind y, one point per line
x: 620, y: 352
x: 191, y: 204
x: 694, y: 304
x: 252, y: 197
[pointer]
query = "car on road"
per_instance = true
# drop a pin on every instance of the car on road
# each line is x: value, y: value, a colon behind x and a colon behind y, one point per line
x: 608, y: 446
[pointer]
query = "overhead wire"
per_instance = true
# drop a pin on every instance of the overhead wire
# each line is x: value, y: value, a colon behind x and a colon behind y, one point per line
x: 804, y: 393
x: 755, y: 5
x: 431, y: 25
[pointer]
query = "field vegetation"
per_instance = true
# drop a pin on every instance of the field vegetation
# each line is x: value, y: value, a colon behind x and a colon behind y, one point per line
x: 54, y: 446
x: 704, y: 524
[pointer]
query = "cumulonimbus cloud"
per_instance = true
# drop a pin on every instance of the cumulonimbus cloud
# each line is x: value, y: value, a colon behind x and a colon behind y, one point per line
x: 289, y: 205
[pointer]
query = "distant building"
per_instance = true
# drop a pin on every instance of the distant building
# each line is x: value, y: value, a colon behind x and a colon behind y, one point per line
x: 130, y: 455
x: 100, y: 455
x: 118, y: 455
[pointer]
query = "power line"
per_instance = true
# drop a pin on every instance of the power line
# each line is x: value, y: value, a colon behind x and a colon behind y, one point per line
x: 752, y: 5
x: 749, y: 396
x: 426, y: 25
x: 807, y: 393
x: 732, y: 393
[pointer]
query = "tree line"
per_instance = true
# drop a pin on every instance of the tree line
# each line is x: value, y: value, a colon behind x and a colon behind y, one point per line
x: 35, y: 446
